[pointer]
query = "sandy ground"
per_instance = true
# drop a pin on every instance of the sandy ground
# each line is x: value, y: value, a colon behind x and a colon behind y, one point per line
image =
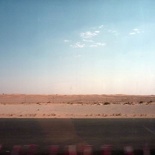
x: 76, y: 106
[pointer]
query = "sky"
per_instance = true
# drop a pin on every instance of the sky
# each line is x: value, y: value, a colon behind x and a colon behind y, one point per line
x: 77, y: 47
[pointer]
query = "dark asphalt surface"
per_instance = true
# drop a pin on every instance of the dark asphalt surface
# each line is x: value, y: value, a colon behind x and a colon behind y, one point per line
x: 96, y: 132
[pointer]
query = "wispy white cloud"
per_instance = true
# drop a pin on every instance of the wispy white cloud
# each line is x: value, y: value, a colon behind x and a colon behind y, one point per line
x: 66, y: 41
x: 97, y: 44
x: 135, y: 31
x: 87, y: 40
x: 90, y: 38
x: 89, y: 34
x: 132, y: 33
x: 78, y: 45
x: 82, y: 45
x: 114, y: 32
x: 97, y: 27
x: 101, y: 26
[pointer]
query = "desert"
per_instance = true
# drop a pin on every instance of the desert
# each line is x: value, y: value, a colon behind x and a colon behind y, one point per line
x: 79, y: 75
x: 96, y: 120
x: 77, y: 106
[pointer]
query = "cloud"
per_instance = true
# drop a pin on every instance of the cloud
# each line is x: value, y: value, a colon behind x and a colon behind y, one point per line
x: 66, y: 41
x: 89, y: 34
x: 132, y: 33
x: 98, y: 44
x: 78, y: 45
x: 87, y: 40
x: 82, y: 45
x: 135, y: 31
x: 101, y: 26
x: 114, y: 32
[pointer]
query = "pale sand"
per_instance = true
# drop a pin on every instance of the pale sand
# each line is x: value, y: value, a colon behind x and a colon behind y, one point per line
x: 88, y: 106
x: 44, y: 110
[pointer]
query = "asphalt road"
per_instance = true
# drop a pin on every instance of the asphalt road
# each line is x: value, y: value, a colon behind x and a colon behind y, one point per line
x: 96, y: 132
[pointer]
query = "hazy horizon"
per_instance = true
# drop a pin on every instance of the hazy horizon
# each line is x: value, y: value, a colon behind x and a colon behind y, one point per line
x: 77, y: 47
x: 37, y: 94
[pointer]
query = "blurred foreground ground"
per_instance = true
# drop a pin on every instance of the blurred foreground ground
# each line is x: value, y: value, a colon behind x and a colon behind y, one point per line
x: 95, y: 132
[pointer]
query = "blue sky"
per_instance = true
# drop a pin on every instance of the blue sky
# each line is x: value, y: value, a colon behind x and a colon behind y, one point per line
x: 77, y: 46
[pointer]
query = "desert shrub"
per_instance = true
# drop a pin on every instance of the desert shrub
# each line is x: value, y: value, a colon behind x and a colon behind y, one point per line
x: 79, y: 102
x: 53, y: 114
x: 106, y: 103
x: 127, y: 103
x: 69, y: 102
x: 119, y: 114
x: 150, y: 101
x: 140, y: 102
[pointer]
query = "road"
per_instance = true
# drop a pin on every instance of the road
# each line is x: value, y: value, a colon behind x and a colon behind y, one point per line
x: 96, y: 132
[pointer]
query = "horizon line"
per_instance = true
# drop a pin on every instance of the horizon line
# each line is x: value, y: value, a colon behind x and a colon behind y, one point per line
x: 78, y: 94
